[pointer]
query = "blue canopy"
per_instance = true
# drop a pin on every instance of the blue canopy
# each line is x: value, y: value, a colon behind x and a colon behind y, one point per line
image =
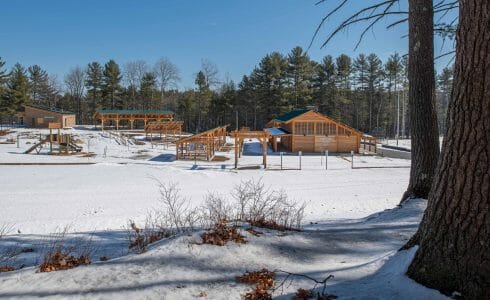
x: 274, y: 131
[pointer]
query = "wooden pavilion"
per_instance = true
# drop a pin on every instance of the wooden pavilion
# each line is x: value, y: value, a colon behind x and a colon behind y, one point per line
x: 131, y: 116
x: 168, y: 129
x: 309, y: 131
x: 245, y: 133
x: 201, y: 146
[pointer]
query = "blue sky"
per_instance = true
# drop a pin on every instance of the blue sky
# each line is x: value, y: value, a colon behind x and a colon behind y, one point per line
x: 235, y: 35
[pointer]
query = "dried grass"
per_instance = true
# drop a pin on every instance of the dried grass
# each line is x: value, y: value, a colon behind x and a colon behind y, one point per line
x: 264, y: 280
x: 62, y: 260
x: 221, y: 234
x: 60, y: 256
x: 6, y: 269
x: 140, y: 238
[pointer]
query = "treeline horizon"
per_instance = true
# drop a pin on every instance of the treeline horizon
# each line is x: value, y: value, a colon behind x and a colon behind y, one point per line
x: 363, y: 92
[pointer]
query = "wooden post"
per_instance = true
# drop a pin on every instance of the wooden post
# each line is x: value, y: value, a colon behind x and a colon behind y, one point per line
x: 236, y: 149
x: 50, y: 140
x: 337, y: 136
x: 352, y: 159
x: 264, y: 151
x: 326, y: 160
x: 299, y: 154
x: 281, y: 159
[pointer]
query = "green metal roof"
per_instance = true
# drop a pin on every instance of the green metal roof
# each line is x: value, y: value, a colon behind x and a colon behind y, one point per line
x: 135, y: 111
x: 51, y: 109
x: 291, y: 115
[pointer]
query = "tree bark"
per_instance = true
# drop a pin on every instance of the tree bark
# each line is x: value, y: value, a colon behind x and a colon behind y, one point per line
x: 421, y: 99
x: 454, y: 236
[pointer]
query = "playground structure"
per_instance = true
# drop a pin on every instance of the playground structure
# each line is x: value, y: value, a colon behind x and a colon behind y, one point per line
x: 65, y: 142
x: 132, y: 116
x: 168, y: 131
x: 201, y: 146
x: 245, y: 133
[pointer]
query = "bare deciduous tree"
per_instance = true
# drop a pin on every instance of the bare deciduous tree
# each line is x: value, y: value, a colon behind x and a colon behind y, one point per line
x: 167, y: 74
x: 75, y: 83
x: 133, y: 72
x: 211, y: 72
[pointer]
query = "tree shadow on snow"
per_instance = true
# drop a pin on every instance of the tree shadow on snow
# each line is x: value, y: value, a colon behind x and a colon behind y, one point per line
x: 163, y: 158
x: 365, y: 241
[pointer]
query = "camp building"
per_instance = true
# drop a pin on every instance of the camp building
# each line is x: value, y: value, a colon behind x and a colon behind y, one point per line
x: 310, y: 131
x: 40, y: 116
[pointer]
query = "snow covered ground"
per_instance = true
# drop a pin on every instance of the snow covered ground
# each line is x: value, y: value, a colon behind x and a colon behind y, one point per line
x: 352, y: 227
x: 404, y: 143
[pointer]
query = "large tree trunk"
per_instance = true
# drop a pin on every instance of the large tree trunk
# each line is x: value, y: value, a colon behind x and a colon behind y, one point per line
x: 421, y: 99
x: 454, y: 235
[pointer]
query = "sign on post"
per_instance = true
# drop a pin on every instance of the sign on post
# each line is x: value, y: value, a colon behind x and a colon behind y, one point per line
x: 54, y: 125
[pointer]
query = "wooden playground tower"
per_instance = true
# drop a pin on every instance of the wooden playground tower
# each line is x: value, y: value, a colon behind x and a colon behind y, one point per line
x: 201, y: 146
x: 66, y: 145
x: 245, y: 133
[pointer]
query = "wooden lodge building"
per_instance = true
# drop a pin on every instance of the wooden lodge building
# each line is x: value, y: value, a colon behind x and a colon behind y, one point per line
x: 39, y: 117
x: 309, y: 131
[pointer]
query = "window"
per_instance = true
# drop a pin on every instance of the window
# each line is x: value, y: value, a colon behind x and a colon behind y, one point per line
x: 325, y: 129
x: 304, y: 128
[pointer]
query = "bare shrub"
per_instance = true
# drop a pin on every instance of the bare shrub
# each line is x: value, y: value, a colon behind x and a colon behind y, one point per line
x: 263, y: 207
x: 8, y: 253
x: 176, y: 210
x: 216, y: 209
x: 61, y: 255
x: 254, y: 204
x: 153, y: 231
x: 5, y: 229
x: 175, y: 215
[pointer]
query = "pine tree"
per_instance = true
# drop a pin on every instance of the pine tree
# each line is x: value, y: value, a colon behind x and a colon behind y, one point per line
x: 147, y: 89
x: 325, y: 89
x: 344, y: 72
x: 453, y: 237
x: 421, y: 97
x: 270, y: 82
x: 40, y: 87
x: 93, y: 83
x: 247, y: 104
x: 186, y: 108
x: 360, y: 67
x: 4, y: 103
x: 444, y: 84
x: 222, y: 102
x: 299, y: 75
x: 18, y: 89
x: 374, y: 78
x: 111, y: 84
x: 203, y: 97
x: 394, y: 70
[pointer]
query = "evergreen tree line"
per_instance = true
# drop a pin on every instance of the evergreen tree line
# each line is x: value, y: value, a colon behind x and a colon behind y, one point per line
x: 363, y: 92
